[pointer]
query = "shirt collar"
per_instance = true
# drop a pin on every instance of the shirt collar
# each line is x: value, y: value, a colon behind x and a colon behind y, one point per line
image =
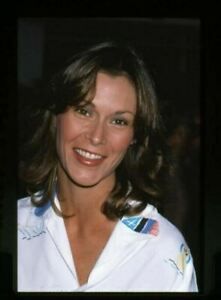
x: 129, y: 235
x: 143, y: 223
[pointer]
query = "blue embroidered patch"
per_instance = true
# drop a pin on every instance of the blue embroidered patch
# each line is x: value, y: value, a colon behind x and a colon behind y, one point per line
x: 132, y: 222
x: 142, y: 225
x: 39, y: 211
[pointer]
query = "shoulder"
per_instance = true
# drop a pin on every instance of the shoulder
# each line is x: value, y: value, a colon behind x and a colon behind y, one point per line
x: 24, y: 207
x: 24, y: 202
x: 31, y: 219
x: 166, y: 240
x: 151, y: 222
x: 175, y: 253
x: 169, y: 234
x: 170, y: 240
x: 28, y: 212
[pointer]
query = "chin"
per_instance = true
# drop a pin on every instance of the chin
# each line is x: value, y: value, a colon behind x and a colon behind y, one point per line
x: 85, y: 182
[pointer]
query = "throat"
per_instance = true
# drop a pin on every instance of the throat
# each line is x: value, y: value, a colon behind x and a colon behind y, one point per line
x: 87, y: 246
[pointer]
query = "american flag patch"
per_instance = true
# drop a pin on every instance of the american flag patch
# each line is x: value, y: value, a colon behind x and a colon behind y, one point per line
x: 142, y: 225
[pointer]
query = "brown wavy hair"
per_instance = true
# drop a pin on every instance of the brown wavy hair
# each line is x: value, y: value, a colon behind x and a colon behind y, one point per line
x: 141, y: 172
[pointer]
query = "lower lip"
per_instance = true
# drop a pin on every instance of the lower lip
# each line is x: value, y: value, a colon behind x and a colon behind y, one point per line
x: 88, y: 162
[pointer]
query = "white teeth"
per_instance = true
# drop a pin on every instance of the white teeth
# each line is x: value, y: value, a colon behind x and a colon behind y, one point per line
x: 87, y: 154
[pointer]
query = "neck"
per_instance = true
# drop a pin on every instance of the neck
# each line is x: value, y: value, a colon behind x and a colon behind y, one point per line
x: 84, y: 203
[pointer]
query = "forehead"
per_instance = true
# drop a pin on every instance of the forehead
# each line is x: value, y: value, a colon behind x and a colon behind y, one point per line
x: 116, y: 90
x: 108, y: 77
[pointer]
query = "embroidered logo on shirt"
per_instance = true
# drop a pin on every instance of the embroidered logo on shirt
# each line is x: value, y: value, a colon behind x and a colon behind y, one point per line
x: 142, y: 225
x: 29, y: 232
x: 39, y: 211
x: 35, y: 227
x: 183, y: 258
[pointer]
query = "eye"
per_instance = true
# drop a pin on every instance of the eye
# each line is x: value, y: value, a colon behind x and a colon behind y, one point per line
x: 120, y: 122
x: 84, y: 111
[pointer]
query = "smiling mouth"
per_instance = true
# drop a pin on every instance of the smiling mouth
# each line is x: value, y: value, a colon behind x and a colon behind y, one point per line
x: 88, y: 155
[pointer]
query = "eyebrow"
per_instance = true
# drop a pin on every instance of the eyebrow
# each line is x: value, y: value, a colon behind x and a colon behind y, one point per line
x: 124, y: 112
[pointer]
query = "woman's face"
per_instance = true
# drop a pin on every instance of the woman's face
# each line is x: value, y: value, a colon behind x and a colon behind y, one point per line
x: 93, y: 138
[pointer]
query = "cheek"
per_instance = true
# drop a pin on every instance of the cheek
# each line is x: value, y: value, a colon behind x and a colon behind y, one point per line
x: 59, y: 143
x: 122, y: 142
x: 63, y: 135
x: 59, y: 133
x: 66, y: 130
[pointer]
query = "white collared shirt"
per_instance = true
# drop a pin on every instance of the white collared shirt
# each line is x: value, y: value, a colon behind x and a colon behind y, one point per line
x: 145, y: 253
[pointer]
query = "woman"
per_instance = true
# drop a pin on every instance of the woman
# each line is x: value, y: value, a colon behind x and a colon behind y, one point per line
x: 93, y: 173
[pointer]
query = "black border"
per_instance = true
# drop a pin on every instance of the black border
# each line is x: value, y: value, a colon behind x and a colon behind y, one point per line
x: 209, y: 80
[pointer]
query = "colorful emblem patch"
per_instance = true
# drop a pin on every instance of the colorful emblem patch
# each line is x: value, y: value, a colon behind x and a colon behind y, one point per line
x: 30, y: 232
x: 183, y: 258
x: 142, y: 225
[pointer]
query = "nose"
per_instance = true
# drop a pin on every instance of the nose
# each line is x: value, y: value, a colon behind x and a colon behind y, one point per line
x: 96, y: 134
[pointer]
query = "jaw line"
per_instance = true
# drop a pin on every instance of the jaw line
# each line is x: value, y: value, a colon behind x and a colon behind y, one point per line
x: 79, y: 184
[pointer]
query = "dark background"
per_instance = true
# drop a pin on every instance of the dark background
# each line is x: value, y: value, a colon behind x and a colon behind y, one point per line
x: 182, y: 55
x: 171, y: 50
